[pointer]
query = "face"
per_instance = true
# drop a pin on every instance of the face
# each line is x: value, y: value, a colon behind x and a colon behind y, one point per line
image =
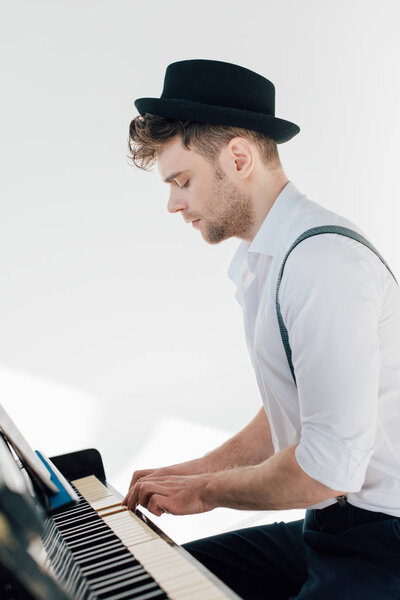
x: 204, y: 192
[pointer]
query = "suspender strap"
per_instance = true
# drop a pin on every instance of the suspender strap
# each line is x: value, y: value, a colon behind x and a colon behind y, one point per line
x: 310, y: 232
x: 342, y: 500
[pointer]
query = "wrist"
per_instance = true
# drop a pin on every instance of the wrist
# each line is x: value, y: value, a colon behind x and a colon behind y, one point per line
x: 210, y: 495
x: 230, y: 488
x: 198, y: 466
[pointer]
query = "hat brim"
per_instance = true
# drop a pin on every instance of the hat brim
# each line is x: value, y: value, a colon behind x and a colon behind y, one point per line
x: 279, y: 129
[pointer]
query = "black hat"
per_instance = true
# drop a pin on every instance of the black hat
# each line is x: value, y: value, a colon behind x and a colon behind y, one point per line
x: 220, y: 93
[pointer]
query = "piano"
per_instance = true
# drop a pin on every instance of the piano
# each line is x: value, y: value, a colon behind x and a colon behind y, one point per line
x: 64, y: 534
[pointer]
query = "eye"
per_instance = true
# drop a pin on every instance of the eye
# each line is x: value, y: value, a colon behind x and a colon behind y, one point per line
x: 186, y: 184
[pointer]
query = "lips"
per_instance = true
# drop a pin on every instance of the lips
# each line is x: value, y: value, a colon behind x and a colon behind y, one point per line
x: 195, y: 223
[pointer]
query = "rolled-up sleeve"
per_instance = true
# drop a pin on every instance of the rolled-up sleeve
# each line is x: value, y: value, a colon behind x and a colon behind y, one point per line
x: 330, y: 301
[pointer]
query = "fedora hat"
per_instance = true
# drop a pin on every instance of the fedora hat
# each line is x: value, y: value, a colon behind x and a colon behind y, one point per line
x: 219, y: 93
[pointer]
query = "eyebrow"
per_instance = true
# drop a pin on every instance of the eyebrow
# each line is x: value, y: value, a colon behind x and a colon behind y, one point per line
x: 171, y: 177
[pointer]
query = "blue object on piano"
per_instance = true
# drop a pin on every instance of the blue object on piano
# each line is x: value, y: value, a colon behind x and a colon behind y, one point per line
x: 66, y: 494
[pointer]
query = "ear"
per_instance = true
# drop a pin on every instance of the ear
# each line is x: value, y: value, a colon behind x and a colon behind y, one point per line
x: 241, y: 156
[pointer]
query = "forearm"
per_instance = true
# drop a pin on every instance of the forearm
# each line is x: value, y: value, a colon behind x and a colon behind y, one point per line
x: 248, y: 447
x: 251, y: 446
x: 278, y: 483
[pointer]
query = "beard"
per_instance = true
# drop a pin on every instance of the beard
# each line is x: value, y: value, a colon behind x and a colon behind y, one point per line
x: 233, y: 211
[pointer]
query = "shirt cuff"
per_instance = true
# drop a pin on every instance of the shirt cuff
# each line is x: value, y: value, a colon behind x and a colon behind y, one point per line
x: 331, y: 461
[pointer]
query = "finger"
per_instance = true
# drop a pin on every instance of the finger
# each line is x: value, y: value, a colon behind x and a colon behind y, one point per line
x: 132, y: 483
x: 133, y: 495
x: 138, y: 475
x: 137, y: 496
x: 135, y: 477
x: 164, y: 480
x: 129, y: 493
x: 146, y: 492
x: 158, y: 505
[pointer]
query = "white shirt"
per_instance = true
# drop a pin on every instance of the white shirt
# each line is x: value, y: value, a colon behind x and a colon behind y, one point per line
x: 341, y: 308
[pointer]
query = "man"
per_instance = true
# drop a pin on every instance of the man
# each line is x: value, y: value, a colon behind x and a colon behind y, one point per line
x: 326, y: 437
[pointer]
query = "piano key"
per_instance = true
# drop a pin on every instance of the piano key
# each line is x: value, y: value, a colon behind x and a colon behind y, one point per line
x: 93, y: 557
x: 108, y: 567
x: 180, y: 578
x: 111, y: 510
x: 107, y: 502
x: 102, y: 565
x: 120, y: 527
x: 90, y: 540
x: 133, y: 590
x: 111, y: 577
x: 99, y: 548
x: 128, y: 594
x: 131, y: 582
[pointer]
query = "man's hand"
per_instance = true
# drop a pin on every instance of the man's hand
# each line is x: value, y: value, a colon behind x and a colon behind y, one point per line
x: 191, y: 467
x: 277, y: 483
x: 174, y: 494
x: 250, y: 446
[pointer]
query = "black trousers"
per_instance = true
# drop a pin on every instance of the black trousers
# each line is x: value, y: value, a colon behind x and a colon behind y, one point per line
x: 334, y: 553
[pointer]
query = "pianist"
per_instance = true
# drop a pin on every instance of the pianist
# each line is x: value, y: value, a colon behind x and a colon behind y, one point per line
x: 326, y: 438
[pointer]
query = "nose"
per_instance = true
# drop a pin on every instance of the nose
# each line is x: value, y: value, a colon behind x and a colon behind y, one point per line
x: 176, y: 202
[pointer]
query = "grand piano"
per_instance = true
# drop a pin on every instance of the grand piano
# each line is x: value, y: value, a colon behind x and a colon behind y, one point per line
x: 65, y: 535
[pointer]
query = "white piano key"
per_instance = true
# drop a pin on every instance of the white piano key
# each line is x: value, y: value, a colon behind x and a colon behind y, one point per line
x: 178, y: 576
x: 165, y: 565
x: 109, y: 501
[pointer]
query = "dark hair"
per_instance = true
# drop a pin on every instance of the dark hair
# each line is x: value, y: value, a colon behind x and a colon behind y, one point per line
x: 148, y: 133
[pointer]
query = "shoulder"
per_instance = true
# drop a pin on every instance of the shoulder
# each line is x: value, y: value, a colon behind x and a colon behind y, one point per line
x: 332, y: 254
x: 328, y: 267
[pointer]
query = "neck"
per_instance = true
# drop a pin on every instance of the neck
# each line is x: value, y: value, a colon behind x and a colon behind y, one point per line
x: 263, y: 200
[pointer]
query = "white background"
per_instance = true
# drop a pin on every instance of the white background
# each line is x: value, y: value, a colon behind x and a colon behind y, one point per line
x: 118, y: 325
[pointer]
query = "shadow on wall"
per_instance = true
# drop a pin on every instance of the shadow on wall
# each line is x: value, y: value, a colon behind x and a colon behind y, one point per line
x: 57, y: 418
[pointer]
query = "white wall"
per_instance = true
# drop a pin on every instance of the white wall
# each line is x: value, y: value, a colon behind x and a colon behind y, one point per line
x: 118, y: 324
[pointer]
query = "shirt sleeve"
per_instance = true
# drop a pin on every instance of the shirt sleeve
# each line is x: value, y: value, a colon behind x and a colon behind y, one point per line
x: 330, y: 300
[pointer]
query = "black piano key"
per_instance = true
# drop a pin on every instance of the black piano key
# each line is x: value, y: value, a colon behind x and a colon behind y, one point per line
x: 91, y: 540
x: 81, y: 519
x: 81, y: 524
x: 94, y: 555
x: 132, y: 583
x: 97, y: 582
x: 108, y: 565
x: 65, y: 568
x: 99, y: 548
x: 83, y: 530
x: 80, y: 507
x: 94, y: 559
x: 128, y: 595
x: 159, y: 593
x: 79, y: 512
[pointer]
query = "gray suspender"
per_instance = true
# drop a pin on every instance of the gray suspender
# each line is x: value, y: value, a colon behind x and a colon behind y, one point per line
x: 310, y: 232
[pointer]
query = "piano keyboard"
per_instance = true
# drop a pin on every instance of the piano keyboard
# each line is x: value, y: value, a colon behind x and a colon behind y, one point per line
x: 119, y: 556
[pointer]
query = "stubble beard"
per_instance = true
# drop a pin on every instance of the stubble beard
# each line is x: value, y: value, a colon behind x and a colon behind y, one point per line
x: 235, y: 214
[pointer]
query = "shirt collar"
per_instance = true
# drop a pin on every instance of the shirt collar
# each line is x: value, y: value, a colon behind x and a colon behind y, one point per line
x: 268, y: 238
